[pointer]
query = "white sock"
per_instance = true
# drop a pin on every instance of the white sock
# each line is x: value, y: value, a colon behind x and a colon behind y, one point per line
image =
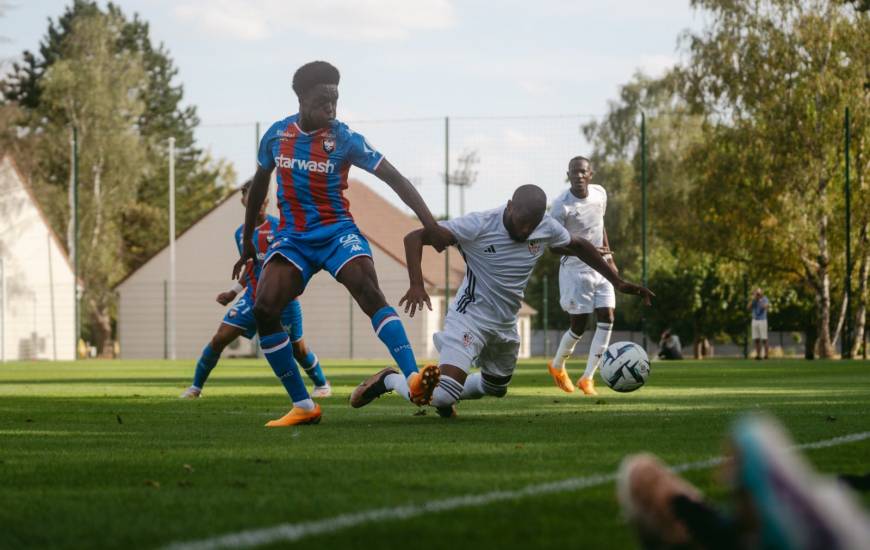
x: 447, y: 392
x: 599, y: 344
x: 307, y: 404
x: 473, y: 388
x: 565, y: 349
x: 399, y: 384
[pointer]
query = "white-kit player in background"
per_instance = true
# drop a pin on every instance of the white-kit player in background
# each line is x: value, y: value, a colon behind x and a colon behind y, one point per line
x: 501, y: 247
x: 582, y: 290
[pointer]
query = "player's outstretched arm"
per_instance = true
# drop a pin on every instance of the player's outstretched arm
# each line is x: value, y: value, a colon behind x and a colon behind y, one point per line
x: 409, y: 195
x: 414, y: 241
x: 256, y: 195
x: 591, y: 256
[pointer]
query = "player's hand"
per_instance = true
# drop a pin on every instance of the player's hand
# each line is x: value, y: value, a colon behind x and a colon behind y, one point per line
x: 225, y: 297
x: 249, y: 252
x: 414, y: 299
x: 630, y: 288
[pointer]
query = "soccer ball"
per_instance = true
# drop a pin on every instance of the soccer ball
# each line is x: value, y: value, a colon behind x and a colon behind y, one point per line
x: 625, y: 366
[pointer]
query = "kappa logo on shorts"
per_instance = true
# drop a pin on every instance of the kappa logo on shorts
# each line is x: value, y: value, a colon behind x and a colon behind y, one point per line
x: 467, y: 339
x: 351, y: 241
x: 534, y: 247
x: 233, y: 313
x: 270, y: 238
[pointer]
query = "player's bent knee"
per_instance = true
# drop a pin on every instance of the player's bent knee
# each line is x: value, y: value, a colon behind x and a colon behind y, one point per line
x: 495, y: 386
x: 265, y: 313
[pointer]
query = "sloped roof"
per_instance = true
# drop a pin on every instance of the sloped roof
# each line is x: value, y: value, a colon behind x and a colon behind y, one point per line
x: 25, y: 183
x: 386, y: 225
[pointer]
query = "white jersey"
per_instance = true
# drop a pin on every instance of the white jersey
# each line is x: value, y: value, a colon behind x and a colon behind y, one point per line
x: 498, y: 267
x: 583, y: 218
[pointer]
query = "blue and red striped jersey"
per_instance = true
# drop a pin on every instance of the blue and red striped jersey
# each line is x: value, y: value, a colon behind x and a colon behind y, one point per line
x: 312, y: 172
x: 264, y: 235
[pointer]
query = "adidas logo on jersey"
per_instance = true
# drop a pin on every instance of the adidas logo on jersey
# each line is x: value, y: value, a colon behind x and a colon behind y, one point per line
x: 324, y: 167
x: 489, y: 249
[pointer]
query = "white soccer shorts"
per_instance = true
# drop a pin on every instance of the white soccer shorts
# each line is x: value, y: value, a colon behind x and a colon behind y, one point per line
x: 584, y: 291
x: 463, y: 346
x: 759, y: 329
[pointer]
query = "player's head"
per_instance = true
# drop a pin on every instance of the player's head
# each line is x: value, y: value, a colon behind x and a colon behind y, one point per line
x: 316, y: 86
x: 525, y: 211
x: 579, y: 173
x: 758, y: 293
x: 247, y: 187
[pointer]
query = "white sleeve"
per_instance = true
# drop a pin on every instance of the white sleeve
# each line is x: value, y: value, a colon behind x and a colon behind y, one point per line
x: 557, y: 211
x: 556, y: 234
x: 464, y: 228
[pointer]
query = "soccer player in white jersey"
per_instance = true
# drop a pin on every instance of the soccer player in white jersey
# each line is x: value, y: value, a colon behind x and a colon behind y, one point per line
x: 501, y: 247
x: 582, y: 290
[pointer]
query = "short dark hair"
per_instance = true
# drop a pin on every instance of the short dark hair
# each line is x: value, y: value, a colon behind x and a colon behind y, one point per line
x: 579, y: 158
x: 311, y: 74
x: 247, y: 186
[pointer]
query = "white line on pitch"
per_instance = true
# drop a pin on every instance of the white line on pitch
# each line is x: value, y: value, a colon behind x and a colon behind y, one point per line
x: 290, y: 532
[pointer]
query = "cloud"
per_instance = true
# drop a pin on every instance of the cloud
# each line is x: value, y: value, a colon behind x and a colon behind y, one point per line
x: 350, y: 20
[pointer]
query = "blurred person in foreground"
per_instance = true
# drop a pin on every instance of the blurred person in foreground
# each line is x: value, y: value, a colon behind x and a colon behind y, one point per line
x: 778, y: 500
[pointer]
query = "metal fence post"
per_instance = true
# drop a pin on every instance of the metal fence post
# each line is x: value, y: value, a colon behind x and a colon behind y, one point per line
x: 172, y: 293
x: 643, y: 215
x: 446, y: 210
x: 846, y: 342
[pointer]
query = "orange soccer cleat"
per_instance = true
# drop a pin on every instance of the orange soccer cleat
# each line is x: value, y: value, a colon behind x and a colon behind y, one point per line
x: 422, y: 384
x: 296, y: 417
x: 561, y: 378
x: 587, y: 386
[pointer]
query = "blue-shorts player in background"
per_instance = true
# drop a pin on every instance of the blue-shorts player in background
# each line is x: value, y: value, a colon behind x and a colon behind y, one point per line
x: 239, y: 320
x: 313, y: 153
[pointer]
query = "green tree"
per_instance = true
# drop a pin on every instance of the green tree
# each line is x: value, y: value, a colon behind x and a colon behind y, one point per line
x: 200, y: 181
x: 93, y: 87
x: 772, y: 79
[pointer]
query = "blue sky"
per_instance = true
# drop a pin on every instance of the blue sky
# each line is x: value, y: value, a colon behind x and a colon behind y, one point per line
x: 493, y: 66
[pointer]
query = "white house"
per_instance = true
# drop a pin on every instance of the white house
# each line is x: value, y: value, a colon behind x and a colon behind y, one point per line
x: 334, y: 326
x: 37, y: 284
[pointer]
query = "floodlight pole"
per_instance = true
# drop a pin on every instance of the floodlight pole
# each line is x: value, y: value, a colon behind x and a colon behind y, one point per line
x: 446, y: 210
x: 643, y: 216
x: 846, y: 342
x: 171, y: 323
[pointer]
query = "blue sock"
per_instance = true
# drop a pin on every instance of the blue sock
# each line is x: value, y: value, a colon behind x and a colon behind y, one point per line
x: 204, y: 366
x: 311, y: 366
x: 391, y: 331
x: 278, y: 351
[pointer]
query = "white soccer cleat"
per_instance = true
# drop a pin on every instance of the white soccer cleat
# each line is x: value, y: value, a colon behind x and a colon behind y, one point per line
x: 322, y: 391
x: 191, y: 393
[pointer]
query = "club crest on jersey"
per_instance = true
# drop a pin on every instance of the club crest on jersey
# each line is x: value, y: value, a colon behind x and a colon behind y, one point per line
x: 328, y: 145
x: 467, y: 339
x: 534, y: 247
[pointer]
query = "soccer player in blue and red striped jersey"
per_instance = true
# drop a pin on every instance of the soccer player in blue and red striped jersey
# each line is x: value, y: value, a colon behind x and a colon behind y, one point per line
x: 239, y: 320
x: 313, y: 152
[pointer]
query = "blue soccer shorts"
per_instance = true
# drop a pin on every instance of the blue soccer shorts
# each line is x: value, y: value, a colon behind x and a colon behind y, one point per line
x: 331, y: 254
x: 241, y: 315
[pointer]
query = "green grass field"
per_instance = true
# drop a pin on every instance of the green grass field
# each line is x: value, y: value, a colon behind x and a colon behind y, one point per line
x: 102, y: 454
